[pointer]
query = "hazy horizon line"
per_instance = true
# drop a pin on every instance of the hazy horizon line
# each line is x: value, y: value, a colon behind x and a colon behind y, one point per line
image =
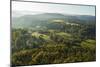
x: 40, y: 12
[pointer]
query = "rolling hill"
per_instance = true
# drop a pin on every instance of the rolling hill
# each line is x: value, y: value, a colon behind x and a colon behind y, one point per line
x: 27, y: 21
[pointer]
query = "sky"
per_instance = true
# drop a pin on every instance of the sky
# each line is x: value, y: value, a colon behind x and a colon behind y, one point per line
x: 53, y: 8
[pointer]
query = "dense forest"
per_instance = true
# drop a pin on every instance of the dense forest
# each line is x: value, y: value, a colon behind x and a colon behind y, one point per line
x: 52, y: 38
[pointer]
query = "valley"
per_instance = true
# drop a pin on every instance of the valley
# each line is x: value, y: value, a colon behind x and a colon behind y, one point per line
x: 52, y: 38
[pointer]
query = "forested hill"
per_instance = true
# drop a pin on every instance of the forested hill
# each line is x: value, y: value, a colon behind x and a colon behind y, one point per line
x: 27, y: 21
